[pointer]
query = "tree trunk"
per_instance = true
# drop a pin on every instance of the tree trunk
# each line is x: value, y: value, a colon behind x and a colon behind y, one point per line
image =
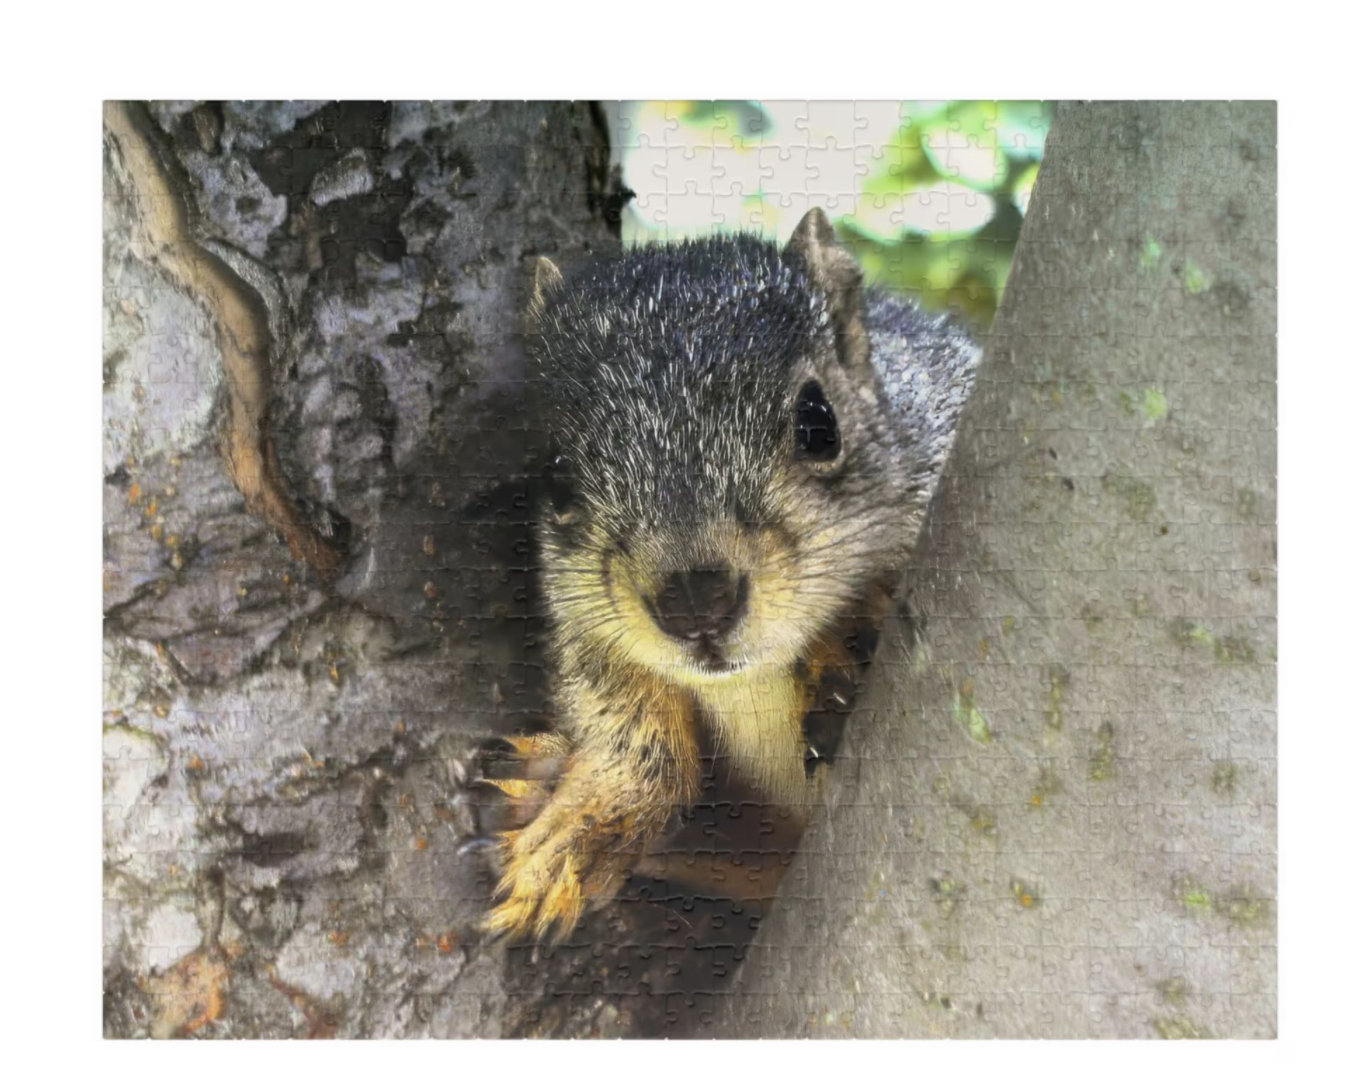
x: 1055, y: 815
x: 312, y: 328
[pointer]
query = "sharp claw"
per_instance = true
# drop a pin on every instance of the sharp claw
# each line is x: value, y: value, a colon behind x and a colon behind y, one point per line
x: 473, y: 845
x: 516, y: 788
x: 537, y: 745
x: 541, y: 745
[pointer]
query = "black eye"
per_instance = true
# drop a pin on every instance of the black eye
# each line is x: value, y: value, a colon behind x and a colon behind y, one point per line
x: 815, y: 435
x: 559, y: 481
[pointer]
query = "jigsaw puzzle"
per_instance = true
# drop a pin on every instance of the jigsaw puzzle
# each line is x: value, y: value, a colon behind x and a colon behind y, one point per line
x: 697, y: 569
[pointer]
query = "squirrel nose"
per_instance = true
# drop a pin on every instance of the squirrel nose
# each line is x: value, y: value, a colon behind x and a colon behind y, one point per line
x: 700, y: 606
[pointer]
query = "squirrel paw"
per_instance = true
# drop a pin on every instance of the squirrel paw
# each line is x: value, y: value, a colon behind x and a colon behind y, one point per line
x: 578, y: 851
x: 541, y: 876
x: 542, y: 888
x: 572, y: 854
x: 525, y: 770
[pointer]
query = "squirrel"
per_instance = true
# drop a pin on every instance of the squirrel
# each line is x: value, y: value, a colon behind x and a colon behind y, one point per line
x: 744, y: 445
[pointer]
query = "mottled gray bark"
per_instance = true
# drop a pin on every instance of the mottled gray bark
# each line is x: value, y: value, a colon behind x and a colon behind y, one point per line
x: 1055, y: 816
x: 285, y: 761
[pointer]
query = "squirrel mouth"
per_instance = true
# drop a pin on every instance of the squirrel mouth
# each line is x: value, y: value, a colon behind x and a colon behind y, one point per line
x: 700, y: 609
x: 709, y: 661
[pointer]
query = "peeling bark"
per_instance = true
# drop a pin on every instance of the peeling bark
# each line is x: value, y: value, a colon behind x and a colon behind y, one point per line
x: 244, y: 337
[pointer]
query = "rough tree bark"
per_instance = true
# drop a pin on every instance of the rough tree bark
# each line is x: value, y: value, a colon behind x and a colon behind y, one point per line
x: 317, y: 305
x: 1055, y: 816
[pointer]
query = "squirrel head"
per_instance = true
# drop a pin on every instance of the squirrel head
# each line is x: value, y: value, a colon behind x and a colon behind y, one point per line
x: 728, y: 471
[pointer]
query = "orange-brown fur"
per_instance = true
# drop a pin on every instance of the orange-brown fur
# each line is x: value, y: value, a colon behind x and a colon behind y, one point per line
x: 601, y: 816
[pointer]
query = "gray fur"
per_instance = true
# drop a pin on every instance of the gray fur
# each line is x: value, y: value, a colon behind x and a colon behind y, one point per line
x: 669, y: 376
x: 926, y: 366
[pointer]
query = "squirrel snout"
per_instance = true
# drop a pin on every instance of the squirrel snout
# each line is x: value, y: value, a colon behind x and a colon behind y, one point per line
x: 700, y: 606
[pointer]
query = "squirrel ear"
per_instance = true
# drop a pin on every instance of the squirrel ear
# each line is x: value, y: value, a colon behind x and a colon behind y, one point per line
x: 813, y: 245
x: 546, y: 282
